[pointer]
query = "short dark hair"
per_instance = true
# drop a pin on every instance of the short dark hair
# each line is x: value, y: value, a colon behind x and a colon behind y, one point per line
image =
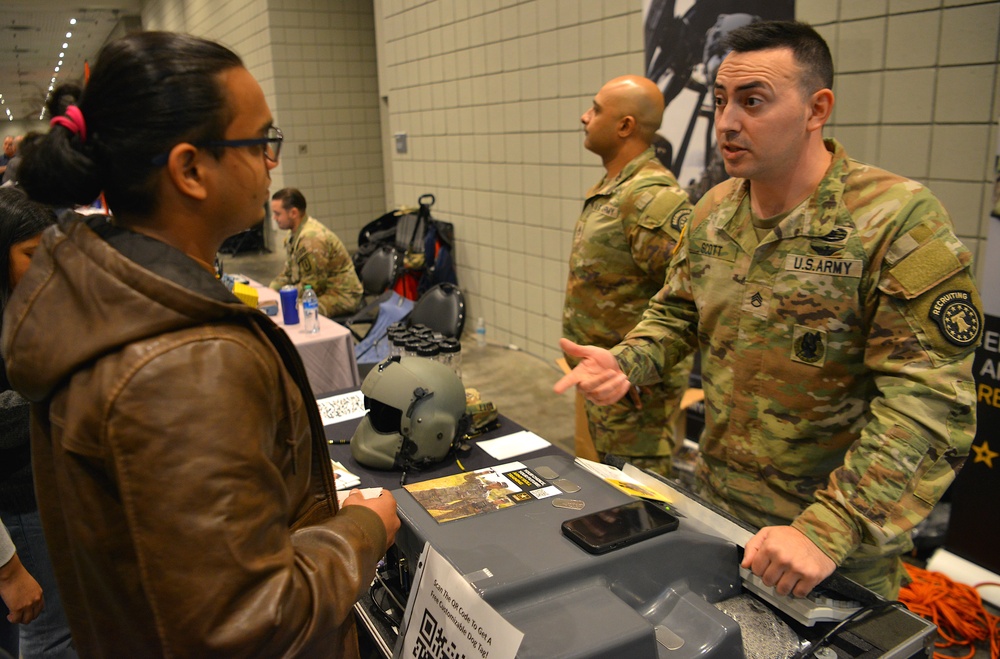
x: 20, y: 219
x: 291, y: 198
x: 808, y: 47
x: 147, y: 92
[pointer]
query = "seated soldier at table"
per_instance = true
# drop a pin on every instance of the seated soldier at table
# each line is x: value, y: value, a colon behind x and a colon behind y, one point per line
x: 316, y: 256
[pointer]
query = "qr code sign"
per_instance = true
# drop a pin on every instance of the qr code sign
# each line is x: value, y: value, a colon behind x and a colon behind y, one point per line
x: 340, y: 408
x: 431, y: 643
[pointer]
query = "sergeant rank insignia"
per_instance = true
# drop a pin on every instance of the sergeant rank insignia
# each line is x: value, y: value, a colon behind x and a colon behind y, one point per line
x: 957, y: 317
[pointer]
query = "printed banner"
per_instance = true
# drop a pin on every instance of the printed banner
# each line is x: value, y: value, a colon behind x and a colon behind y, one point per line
x: 683, y: 52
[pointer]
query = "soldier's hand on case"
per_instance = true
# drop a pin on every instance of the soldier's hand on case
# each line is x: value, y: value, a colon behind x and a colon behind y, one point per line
x: 384, y: 506
x: 785, y: 559
x: 597, y: 376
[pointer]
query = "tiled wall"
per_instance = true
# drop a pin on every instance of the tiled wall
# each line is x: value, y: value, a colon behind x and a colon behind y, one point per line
x: 327, y: 98
x: 917, y: 94
x: 490, y: 92
x: 316, y: 64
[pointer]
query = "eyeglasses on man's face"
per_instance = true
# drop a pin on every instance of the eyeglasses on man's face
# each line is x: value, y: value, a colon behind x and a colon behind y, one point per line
x: 271, y: 143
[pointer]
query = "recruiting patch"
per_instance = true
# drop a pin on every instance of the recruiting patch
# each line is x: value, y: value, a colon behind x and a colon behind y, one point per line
x: 609, y: 209
x: 809, y: 345
x: 679, y: 219
x: 823, y: 266
x: 957, y: 317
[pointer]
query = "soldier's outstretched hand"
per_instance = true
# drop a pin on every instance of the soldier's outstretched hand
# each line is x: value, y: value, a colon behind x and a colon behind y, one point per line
x: 598, y: 376
x: 783, y: 557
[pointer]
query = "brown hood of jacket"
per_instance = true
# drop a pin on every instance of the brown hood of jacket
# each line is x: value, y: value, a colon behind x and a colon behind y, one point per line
x: 180, y: 465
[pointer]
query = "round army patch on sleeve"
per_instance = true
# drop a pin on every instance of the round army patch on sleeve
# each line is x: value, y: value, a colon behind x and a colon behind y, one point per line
x: 957, y: 317
x: 680, y: 219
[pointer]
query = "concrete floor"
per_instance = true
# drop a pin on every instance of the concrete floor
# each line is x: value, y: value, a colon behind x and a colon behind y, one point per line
x: 519, y: 384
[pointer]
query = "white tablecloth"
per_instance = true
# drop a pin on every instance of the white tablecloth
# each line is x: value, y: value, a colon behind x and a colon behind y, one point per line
x: 328, y: 354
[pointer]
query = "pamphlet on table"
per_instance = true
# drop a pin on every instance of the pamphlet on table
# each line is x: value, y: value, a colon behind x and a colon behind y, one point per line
x: 620, y: 480
x: 482, y: 491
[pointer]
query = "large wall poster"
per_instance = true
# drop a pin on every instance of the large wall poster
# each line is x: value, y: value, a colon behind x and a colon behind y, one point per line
x: 683, y: 52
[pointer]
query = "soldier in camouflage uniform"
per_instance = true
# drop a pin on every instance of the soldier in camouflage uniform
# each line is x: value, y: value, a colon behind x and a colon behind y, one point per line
x: 837, y: 337
x: 621, y: 248
x: 315, y: 256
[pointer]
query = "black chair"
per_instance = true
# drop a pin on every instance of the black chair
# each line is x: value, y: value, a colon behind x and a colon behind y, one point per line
x: 250, y: 240
x: 380, y: 270
x: 378, y: 274
x: 441, y: 308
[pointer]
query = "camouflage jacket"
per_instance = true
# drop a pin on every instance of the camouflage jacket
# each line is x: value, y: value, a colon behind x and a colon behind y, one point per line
x: 317, y: 257
x: 621, y: 249
x: 836, y: 354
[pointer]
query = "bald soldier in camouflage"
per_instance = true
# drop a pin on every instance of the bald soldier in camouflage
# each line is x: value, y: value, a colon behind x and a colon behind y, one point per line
x: 315, y: 256
x: 621, y: 248
x: 836, y: 317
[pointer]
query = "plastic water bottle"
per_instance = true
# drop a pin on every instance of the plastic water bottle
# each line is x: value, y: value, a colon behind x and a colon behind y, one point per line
x: 480, y: 332
x: 310, y: 310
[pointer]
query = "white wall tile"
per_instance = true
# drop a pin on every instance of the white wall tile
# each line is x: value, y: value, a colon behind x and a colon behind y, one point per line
x: 854, y: 9
x: 990, y: 211
x: 904, y: 150
x: 908, y: 96
x: 615, y: 35
x: 912, y: 40
x: 964, y: 94
x: 969, y: 34
x: 858, y: 98
x: 960, y: 152
x: 568, y: 12
x: 547, y: 15
x: 831, y: 34
x: 861, y: 45
x: 861, y: 142
x: 816, y: 12
x: 963, y: 201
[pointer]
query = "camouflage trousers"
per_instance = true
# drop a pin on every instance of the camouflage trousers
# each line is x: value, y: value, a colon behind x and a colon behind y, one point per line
x: 336, y: 302
x: 877, y: 569
x: 646, y: 437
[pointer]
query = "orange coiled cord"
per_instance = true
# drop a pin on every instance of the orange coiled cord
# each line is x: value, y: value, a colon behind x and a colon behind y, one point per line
x: 955, y: 608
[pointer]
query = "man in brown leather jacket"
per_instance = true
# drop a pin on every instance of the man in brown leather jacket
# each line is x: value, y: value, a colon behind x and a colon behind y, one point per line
x: 181, y: 470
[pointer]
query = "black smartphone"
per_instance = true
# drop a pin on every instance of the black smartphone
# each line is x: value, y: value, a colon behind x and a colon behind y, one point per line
x: 602, y: 531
